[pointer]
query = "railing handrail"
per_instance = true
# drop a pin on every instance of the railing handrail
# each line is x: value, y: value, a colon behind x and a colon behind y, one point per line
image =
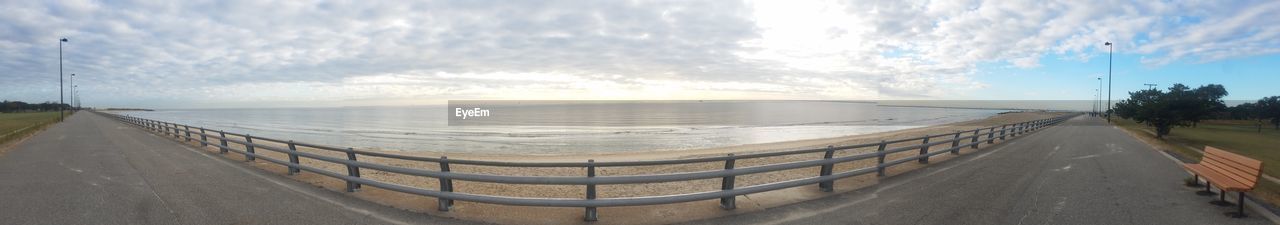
x: 600, y: 164
x: 728, y: 192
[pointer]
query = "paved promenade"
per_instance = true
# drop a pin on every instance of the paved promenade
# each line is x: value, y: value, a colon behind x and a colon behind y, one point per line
x: 1079, y: 172
x: 94, y: 170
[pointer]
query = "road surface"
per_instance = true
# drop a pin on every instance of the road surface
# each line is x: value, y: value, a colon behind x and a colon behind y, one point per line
x: 94, y: 170
x: 1078, y: 172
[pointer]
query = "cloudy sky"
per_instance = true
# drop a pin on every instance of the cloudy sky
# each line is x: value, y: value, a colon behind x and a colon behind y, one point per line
x: 230, y: 53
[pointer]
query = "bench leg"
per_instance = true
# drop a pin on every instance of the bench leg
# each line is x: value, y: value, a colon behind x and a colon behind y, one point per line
x: 1239, y: 213
x: 1206, y: 191
x: 1222, y: 199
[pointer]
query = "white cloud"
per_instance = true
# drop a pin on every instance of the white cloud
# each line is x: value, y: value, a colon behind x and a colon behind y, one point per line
x: 193, y: 53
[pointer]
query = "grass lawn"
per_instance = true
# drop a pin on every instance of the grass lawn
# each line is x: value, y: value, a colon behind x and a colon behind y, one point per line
x: 15, y: 125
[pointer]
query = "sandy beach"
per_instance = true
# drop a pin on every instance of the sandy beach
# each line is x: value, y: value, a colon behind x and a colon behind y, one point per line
x: 658, y: 214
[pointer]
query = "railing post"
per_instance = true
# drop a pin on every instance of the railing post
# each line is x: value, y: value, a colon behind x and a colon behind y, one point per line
x: 1017, y: 129
x: 223, y: 140
x: 591, y: 191
x: 880, y: 159
x: 991, y: 135
x: 176, y: 132
x: 1003, y: 129
x: 924, y: 150
x: 726, y: 184
x: 446, y: 185
x: 974, y: 141
x: 293, y: 158
x: 955, y: 141
x: 248, y: 139
x: 204, y: 138
x: 352, y: 170
x: 188, y: 130
x: 827, y: 186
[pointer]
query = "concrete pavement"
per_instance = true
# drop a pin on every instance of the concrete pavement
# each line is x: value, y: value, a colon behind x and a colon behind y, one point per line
x: 94, y: 170
x: 1079, y: 172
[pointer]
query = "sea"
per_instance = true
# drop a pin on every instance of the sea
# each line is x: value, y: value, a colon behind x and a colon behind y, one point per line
x: 570, y: 127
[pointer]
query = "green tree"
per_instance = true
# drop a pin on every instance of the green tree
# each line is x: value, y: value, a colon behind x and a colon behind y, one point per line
x: 1180, y: 106
x: 1269, y: 108
x: 1243, y: 111
x: 1206, y: 100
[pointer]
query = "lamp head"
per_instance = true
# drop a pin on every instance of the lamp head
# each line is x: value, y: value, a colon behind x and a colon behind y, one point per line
x: 64, y: 40
x: 1108, y: 43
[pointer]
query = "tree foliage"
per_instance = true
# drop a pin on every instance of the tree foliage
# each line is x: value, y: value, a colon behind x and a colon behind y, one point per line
x: 19, y: 106
x: 1179, y: 106
x: 1245, y: 111
x: 1269, y: 108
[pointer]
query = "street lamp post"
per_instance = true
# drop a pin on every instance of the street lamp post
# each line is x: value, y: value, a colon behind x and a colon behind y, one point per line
x: 73, y: 91
x: 60, y: 96
x: 1110, y: 51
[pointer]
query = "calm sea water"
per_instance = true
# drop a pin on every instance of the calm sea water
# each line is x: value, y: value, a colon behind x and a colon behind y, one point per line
x: 609, y: 127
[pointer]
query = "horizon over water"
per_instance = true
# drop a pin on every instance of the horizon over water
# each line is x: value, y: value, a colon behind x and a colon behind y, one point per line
x: 645, y: 125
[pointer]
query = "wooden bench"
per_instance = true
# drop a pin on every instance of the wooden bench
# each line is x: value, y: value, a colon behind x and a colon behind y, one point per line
x: 1228, y: 172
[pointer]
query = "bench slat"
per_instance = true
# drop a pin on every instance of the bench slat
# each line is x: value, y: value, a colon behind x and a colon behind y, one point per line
x: 1217, y: 179
x: 1249, y: 163
x: 1226, y: 172
x: 1242, y: 167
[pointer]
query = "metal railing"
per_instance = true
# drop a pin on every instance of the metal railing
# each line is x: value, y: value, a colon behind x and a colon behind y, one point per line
x: 727, y: 193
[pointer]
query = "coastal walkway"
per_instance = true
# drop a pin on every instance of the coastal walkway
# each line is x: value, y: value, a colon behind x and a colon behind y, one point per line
x: 94, y: 170
x: 1082, y: 171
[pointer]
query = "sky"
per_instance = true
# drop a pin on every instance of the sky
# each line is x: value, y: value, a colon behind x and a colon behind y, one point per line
x: 260, y: 53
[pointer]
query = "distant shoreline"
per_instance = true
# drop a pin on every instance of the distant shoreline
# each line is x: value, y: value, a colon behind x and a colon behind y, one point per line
x: 957, y: 107
x: 127, y: 109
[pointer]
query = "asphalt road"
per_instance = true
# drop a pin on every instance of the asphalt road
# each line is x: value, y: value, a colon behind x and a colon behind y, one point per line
x: 1079, y: 172
x: 94, y: 170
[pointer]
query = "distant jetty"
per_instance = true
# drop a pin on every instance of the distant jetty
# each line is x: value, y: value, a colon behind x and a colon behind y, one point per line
x: 127, y: 109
